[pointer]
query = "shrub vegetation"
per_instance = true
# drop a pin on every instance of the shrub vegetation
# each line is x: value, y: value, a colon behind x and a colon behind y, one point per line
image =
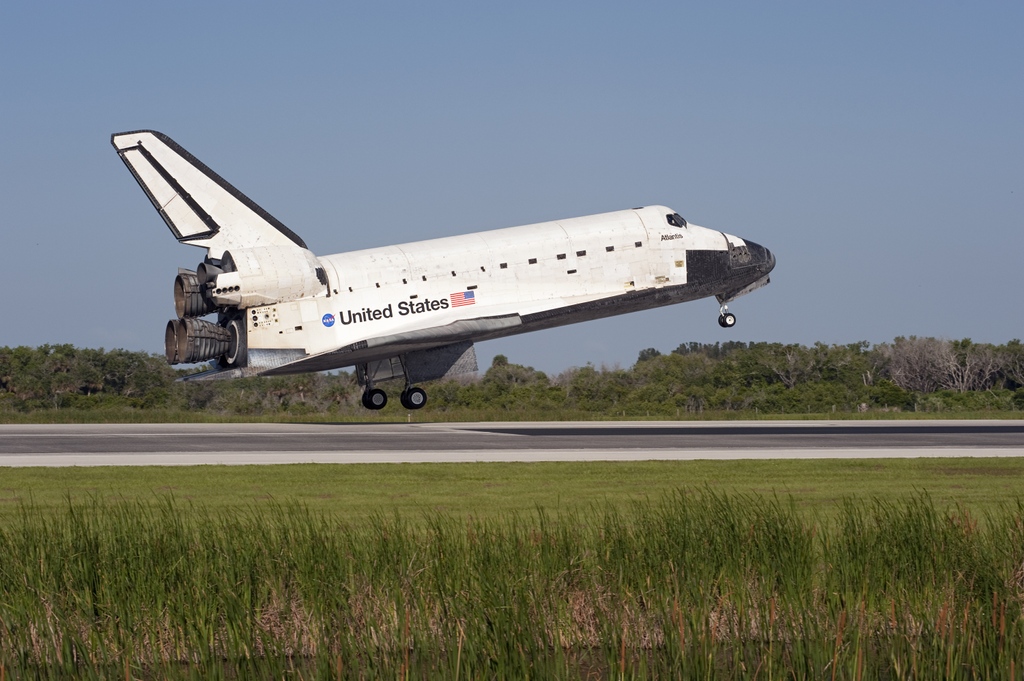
x: 923, y: 375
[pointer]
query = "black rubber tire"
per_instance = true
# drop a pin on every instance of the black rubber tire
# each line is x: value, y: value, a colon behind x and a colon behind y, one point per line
x: 414, y: 398
x: 728, y: 320
x: 375, y: 399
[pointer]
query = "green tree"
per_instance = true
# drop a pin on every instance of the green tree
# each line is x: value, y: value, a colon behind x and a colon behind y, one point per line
x: 647, y: 353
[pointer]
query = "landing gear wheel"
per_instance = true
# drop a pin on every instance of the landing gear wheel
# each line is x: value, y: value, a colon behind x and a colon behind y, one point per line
x: 414, y: 398
x: 375, y: 399
x: 727, y: 320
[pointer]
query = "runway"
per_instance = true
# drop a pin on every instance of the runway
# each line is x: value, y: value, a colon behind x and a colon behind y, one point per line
x: 235, y: 444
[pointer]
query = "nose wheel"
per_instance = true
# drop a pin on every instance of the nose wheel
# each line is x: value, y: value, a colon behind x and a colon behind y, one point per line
x: 726, y: 319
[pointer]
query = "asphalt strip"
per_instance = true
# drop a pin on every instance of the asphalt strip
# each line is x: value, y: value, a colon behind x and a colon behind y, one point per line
x: 491, y: 456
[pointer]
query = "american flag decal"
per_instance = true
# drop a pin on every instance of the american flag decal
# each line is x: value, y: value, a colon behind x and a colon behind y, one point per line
x: 462, y: 298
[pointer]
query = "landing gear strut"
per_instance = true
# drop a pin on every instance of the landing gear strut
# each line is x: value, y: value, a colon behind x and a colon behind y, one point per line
x: 726, y: 319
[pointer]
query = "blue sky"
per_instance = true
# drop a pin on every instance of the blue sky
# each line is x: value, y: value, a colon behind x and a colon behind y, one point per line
x: 876, y: 148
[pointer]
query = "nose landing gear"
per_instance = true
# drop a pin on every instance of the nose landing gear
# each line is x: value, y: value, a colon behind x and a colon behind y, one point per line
x: 726, y: 319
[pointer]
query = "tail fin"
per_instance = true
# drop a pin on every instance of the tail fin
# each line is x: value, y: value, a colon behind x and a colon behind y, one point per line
x: 200, y: 207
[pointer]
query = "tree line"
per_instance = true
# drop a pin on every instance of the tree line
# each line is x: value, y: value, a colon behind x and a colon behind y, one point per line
x: 908, y: 374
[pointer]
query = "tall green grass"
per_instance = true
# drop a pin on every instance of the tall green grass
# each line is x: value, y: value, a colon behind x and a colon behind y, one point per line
x: 695, y: 585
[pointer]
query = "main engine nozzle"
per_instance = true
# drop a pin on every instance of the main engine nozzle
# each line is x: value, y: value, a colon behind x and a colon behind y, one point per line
x: 191, y: 340
x: 207, y: 272
x: 189, y: 300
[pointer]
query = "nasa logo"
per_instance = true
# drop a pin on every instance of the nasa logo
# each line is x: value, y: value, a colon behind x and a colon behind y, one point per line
x: 328, y: 320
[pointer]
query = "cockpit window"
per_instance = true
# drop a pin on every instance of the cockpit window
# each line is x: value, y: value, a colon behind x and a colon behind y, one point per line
x: 676, y: 220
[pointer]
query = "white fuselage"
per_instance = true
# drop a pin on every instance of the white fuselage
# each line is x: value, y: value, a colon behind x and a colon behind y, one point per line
x: 520, y: 270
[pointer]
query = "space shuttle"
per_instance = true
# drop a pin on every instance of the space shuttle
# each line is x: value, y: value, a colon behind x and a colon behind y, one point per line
x: 261, y: 303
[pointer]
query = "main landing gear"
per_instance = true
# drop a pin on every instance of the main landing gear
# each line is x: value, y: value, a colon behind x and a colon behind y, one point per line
x: 411, y: 398
x: 726, y: 319
x: 375, y: 398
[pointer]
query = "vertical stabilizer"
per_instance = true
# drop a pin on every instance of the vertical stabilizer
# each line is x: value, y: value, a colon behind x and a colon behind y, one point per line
x: 200, y: 207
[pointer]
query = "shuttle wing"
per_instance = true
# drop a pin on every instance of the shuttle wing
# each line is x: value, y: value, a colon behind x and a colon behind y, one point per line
x: 383, y: 347
x: 372, y: 349
x: 200, y: 207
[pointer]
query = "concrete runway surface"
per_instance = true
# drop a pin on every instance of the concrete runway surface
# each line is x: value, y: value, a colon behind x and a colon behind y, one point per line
x: 262, y: 443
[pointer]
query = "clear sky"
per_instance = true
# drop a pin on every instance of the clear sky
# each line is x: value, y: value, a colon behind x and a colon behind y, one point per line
x: 877, y: 148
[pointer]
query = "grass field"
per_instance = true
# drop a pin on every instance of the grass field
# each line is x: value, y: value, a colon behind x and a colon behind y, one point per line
x: 700, y: 569
x: 492, y: 490
x: 693, y: 585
